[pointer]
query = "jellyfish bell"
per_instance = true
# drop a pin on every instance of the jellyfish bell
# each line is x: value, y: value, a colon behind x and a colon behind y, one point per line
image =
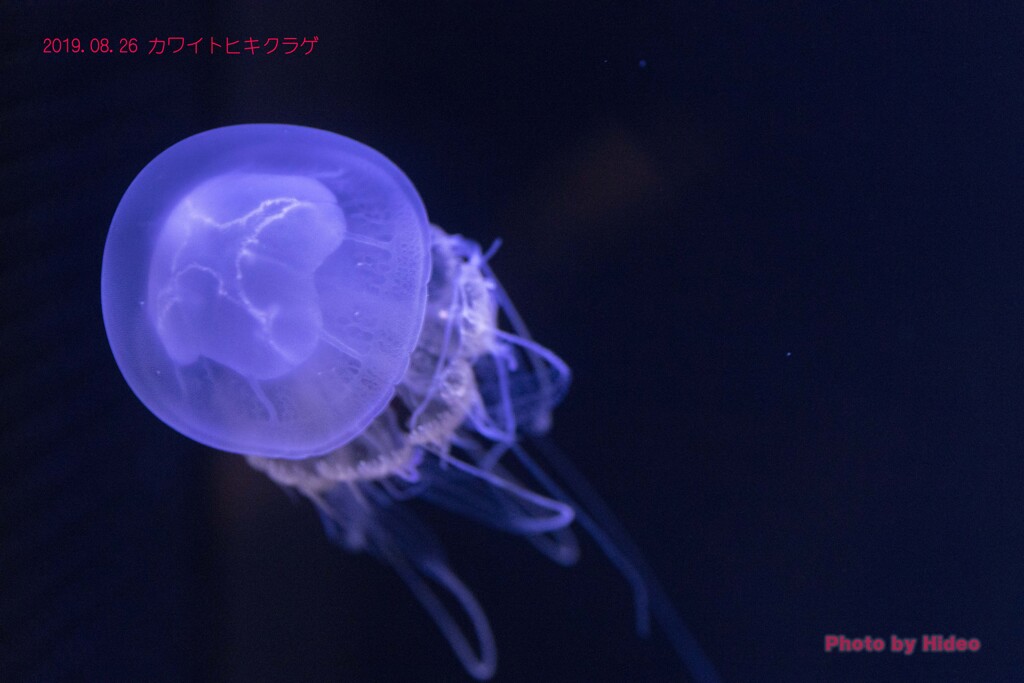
x: 277, y: 292
x: 264, y: 286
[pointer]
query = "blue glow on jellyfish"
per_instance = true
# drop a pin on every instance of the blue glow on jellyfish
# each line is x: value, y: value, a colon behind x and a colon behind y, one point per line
x: 278, y: 292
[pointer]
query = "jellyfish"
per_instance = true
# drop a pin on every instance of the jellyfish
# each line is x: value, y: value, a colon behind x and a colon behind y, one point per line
x: 277, y: 292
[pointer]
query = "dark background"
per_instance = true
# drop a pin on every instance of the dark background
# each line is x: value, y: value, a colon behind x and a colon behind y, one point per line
x: 779, y: 244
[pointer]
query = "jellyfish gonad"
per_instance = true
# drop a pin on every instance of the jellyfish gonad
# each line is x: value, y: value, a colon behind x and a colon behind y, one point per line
x: 277, y: 292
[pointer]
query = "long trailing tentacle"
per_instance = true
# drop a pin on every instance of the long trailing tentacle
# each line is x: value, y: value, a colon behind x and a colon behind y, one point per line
x: 480, y: 663
x: 536, y: 353
x: 561, y: 515
x: 602, y: 525
x: 363, y: 517
x: 506, y: 509
x: 498, y: 421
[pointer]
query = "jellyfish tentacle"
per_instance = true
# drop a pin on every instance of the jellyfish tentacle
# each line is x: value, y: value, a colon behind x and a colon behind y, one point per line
x: 561, y: 546
x: 521, y: 383
x: 480, y: 664
x: 535, y: 351
x: 562, y: 514
x: 525, y: 339
x: 364, y: 517
x: 599, y: 533
x: 402, y: 490
x: 506, y: 509
x: 602, y: 525
x: 503, y: 366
